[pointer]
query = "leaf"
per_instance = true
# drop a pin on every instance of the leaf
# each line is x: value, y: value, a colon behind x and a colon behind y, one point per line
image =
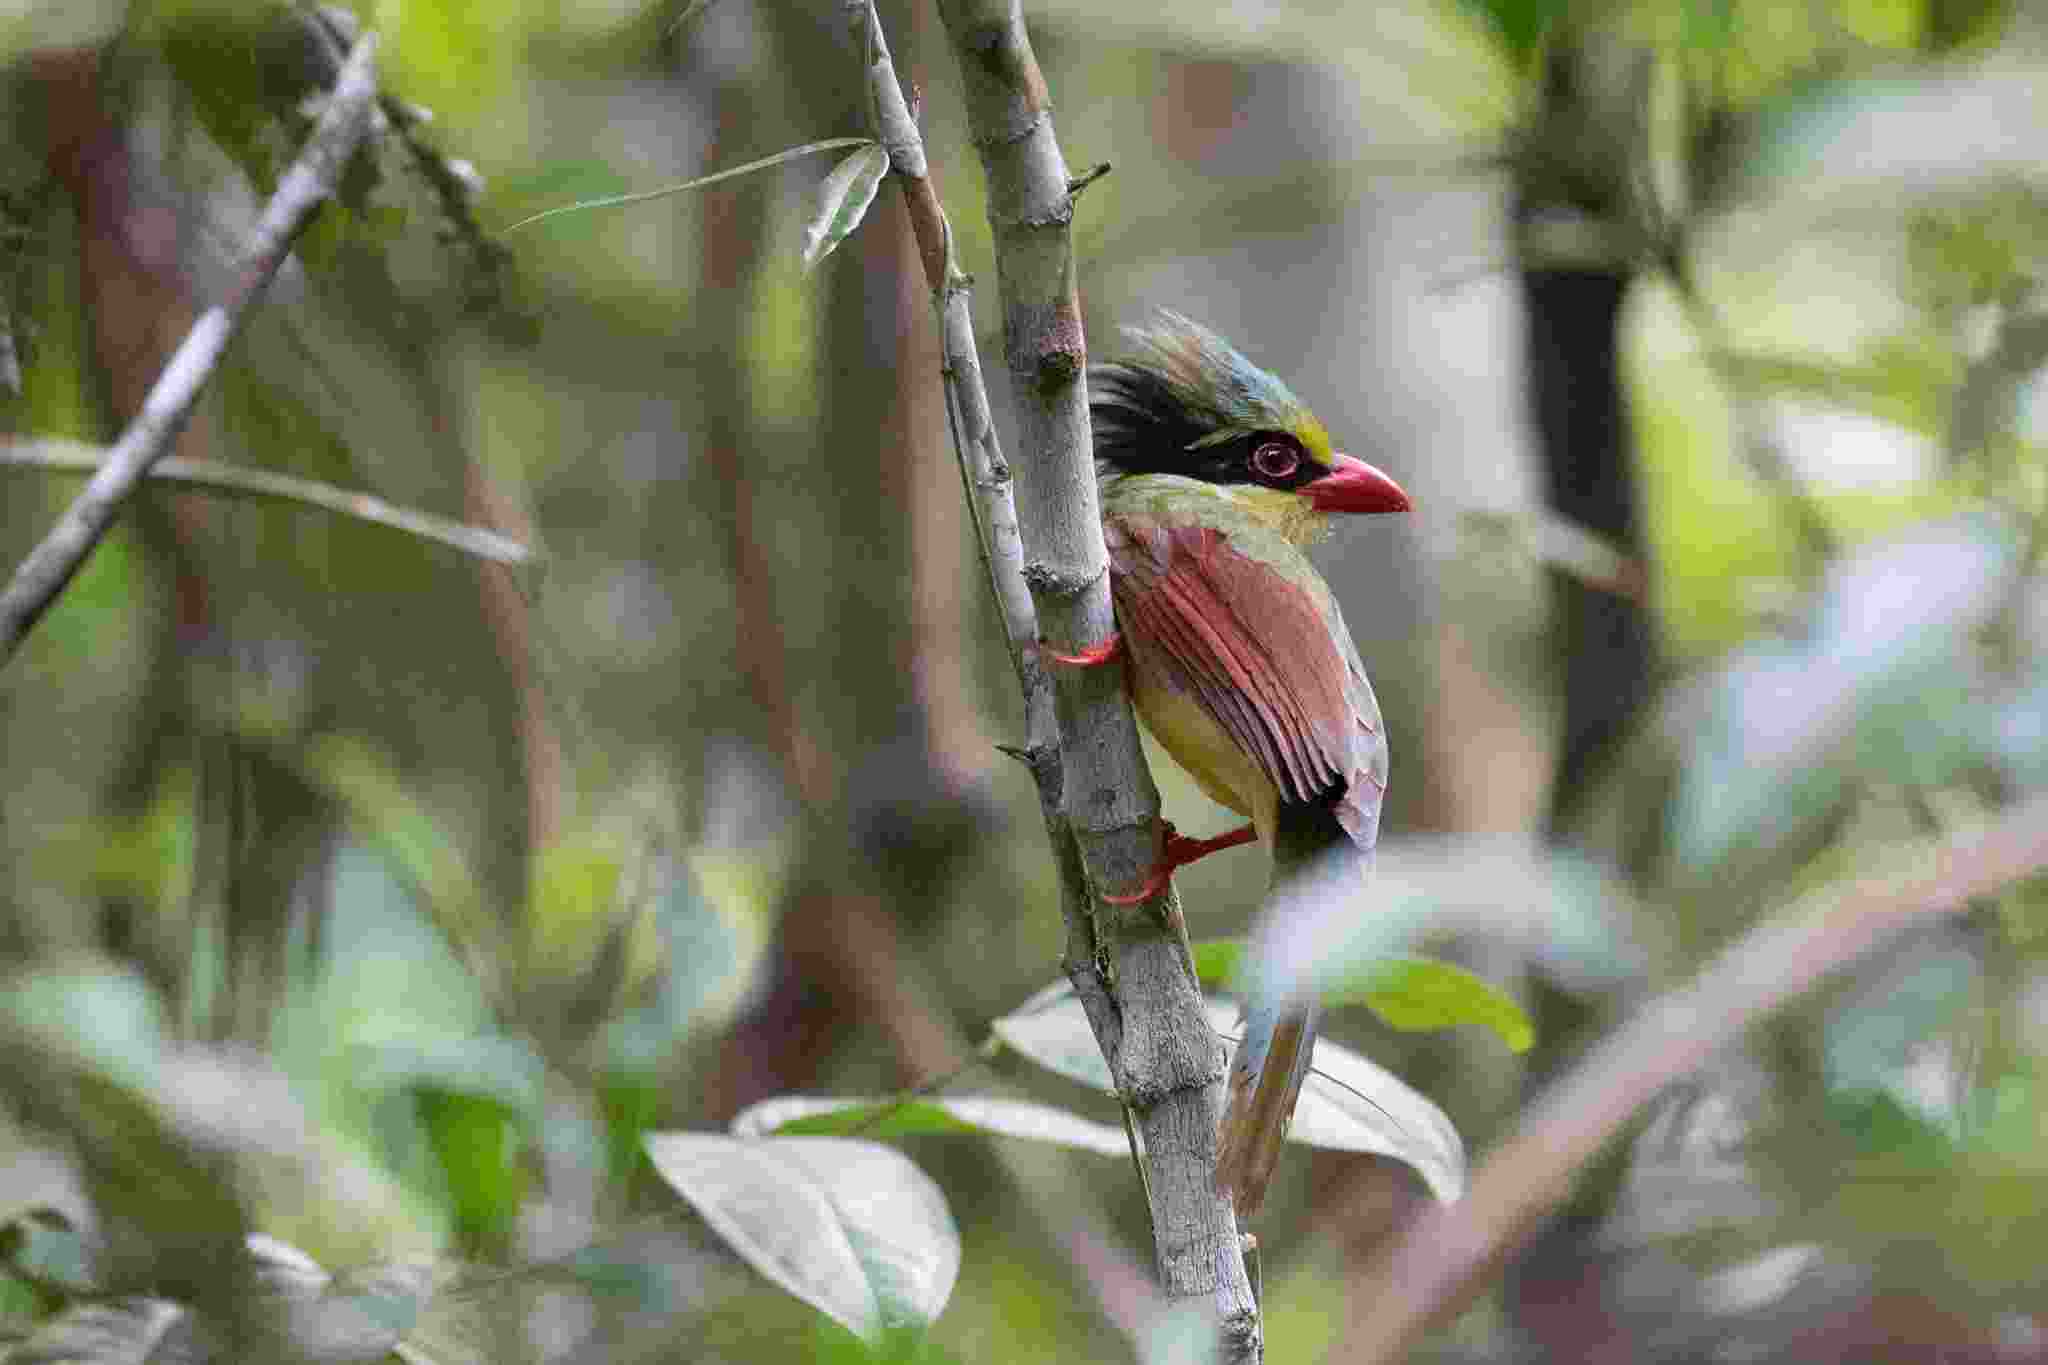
x: 1051, y: 1029
x: 1412, y: 994
x: 843, y: 201
x: 124, y: 1332
x: 1521, y: 25
x: 1883, y: 685
x: 946, y: 1116
x: 46, y: 1247
x: 1898, y: 1035
x: 851, y: 1228
x: 1560, y: 909
x: 613, y: 201
x: 1348, y: 1104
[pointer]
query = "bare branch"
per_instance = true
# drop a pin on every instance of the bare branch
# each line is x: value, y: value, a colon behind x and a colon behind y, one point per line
x: 1132, y: 970
x: 71, y: 457
x: 1446, y: 1252
x: 304, y: 188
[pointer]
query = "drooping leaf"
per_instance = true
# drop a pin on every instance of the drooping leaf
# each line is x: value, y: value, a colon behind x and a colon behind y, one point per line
x: 1349, y: 1104
x: 851, y: 1228
x: 843, y: 201
x: 1413, y: 994
x: 1051, y: 1029
x: 945, y: 1115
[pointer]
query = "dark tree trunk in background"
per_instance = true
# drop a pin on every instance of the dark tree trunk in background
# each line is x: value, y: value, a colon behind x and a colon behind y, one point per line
x: 1562, y: 1287
x: 1608, y: 641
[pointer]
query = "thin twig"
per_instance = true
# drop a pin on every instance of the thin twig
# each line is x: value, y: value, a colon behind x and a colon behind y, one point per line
x: 148, y: 439
x: 1445, y: 1254
x: 829, y: 144
x: 70, y: 457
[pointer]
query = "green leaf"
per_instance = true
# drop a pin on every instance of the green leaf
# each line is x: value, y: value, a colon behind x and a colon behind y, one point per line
x: 851, y: 1228
x: 1412, y: 994
x: 1418, y: 994
x: 843, y: 201
x: 809, y: 148
x: 946, y: 1116
x: 1521, y: 25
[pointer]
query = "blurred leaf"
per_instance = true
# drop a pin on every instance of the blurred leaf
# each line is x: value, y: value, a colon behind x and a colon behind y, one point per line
x: 1522, y: 25
x: 43, y: 1246
x: 1906, y: 381
x: 1350, y: 1105
x: 388, y: 817
x: 950, y: 1115
x: 574, y: 892
x: 1561, y: 910
x: 1882, y: 687
x: 153, y: 1143
x: 1413, y: 994
x: 843, y: 201
x: 1889, y: 1038
x: 481, y: 1150
x: 1895, y: 139
x: 851, y: 1228
x: 1182, y: 1334
x: 125, y: 1332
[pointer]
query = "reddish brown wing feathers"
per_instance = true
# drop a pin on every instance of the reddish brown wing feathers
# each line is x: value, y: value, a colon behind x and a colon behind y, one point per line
x: 1253, y: 647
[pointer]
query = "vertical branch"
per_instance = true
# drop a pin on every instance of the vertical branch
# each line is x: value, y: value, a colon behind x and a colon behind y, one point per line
x: 1132, y: 970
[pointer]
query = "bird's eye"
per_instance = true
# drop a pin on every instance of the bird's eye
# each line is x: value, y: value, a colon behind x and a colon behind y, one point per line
x: 1276, y: 460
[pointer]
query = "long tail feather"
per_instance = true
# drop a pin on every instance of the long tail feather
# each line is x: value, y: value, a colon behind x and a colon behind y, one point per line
x: 1265, y: 1081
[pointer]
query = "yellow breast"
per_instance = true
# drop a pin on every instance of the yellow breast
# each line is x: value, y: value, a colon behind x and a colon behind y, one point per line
x: 1196, y: 742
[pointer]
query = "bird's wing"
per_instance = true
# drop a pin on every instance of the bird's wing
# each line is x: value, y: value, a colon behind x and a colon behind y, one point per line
x: 1248, y: 631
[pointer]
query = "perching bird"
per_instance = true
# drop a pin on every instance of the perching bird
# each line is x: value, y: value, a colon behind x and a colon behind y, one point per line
x: 1213, y: 476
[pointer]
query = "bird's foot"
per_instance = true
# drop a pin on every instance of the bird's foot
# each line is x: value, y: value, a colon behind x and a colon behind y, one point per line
x: 1178, y: 851
x: 1101, y: 652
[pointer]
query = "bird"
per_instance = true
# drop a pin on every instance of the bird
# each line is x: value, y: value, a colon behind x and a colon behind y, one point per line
x: 1213, y: 478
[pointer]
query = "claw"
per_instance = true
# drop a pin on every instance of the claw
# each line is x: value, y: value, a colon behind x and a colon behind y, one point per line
x: 1177, y: 852
x: 1101, y: 652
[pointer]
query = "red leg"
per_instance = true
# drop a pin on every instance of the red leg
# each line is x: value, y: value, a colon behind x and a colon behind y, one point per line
x: 1101, y: 652
x: 1178, y: 852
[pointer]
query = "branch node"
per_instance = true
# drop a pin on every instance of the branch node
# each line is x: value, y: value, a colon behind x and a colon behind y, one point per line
x: 1058, y: 367
x: 1082, y: 182
x: 1042, y: 577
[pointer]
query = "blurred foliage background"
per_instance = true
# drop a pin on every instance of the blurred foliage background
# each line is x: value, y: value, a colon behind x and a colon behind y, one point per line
x: 375, y: 900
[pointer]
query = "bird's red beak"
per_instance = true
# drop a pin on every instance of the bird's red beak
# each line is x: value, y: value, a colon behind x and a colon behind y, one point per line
x: 1355, y: 486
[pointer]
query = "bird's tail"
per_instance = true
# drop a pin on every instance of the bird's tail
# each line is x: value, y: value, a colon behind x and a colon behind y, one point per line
x: 1265, y: 1081
x: 1272, y: 1060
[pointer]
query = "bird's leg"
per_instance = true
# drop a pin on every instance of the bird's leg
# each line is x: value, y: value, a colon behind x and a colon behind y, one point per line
x: 1178, y: 851
x: 1101, y: 652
